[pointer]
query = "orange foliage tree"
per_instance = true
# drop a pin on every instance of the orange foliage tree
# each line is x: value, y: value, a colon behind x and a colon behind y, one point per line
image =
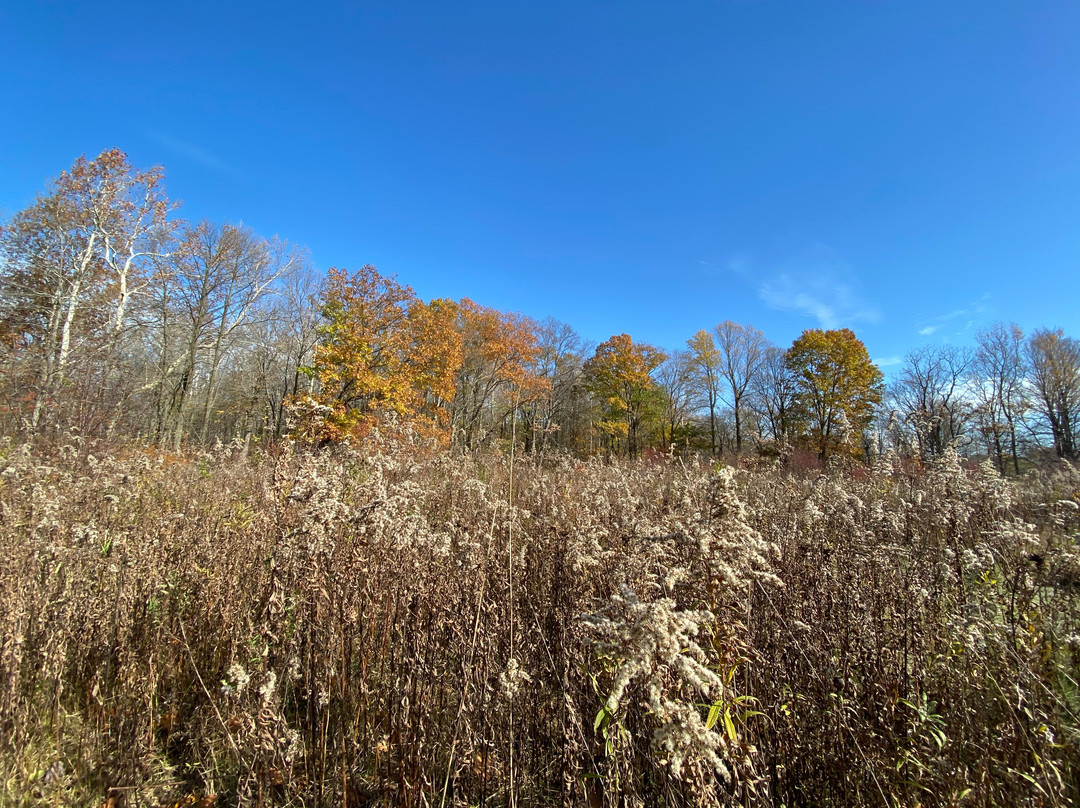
x: 381, y: 350
x: 498, y: 370
x: 451, y: 369
x: 435, y: 356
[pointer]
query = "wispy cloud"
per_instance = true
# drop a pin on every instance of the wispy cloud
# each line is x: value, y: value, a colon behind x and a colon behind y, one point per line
x: 970, y: 314
x: 818, y: 284
x: 888, y: 361
x: 740, y: 265
x: 193, y: 153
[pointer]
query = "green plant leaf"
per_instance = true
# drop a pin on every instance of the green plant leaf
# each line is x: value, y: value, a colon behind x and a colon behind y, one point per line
x: 713, y: 716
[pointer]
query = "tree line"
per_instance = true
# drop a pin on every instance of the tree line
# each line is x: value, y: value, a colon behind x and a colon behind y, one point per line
x: 120, y: 319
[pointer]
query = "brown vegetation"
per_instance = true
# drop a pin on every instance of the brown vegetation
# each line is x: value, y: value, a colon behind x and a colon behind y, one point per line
x: 391, y: 626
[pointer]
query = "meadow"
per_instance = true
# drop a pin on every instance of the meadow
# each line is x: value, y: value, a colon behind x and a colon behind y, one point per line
x: 399, y: 626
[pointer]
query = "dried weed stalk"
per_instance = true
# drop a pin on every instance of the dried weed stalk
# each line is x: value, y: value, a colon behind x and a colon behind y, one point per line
x: 335, y: 628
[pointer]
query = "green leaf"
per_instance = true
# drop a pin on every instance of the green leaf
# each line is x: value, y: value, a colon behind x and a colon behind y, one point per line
x: 602, y: 719
x: 713, y: 717
x: 729, y: 725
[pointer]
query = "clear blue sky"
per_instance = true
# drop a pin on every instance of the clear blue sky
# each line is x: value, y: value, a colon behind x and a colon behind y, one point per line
x: 908, y: 168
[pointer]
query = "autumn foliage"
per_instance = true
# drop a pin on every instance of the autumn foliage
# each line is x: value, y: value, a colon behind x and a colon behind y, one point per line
x: 837, y: 389
x: 451, y: 370
x: 620, y: 376
x: 275, y: 537
x: 119, y: 319
x: 363, y: 362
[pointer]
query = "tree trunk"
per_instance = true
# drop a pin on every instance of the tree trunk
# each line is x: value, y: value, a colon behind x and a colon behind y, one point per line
x: 712, y: 425
x: 1012, y: 445
x: 738, y: 428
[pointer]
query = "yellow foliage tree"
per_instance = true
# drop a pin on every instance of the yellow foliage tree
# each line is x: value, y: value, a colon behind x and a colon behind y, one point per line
x: 382, y: 350
x: 837, y: 389
x: 619, y: 374
x: 435, y: 357
x: 706, y: 361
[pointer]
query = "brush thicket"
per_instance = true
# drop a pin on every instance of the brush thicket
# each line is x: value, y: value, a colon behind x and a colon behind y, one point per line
x: 383, y: 627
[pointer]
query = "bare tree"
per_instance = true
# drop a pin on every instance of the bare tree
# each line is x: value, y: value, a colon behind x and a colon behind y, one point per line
x: 73, y: 261
x: 269, y: 358
x: 773, y: 394
x: 559, y: 413
x: 676, y: 378
x: 1054, y: 367
x: 998, y: 381
x: 742, y: 350
x: 217, y: 281
x: 928, y: 394
x: 296, y: 324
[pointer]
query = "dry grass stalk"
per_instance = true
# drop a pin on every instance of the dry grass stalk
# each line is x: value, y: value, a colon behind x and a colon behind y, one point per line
x: 388, y: 627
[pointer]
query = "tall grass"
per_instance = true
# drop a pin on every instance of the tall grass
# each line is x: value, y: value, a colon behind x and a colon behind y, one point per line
x: 351, y: 628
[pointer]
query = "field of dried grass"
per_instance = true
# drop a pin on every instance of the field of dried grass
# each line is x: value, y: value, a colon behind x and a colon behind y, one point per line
x: 389, y: 627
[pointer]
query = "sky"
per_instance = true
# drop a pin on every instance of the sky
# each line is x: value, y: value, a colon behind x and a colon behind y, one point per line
x: 909, y: 169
